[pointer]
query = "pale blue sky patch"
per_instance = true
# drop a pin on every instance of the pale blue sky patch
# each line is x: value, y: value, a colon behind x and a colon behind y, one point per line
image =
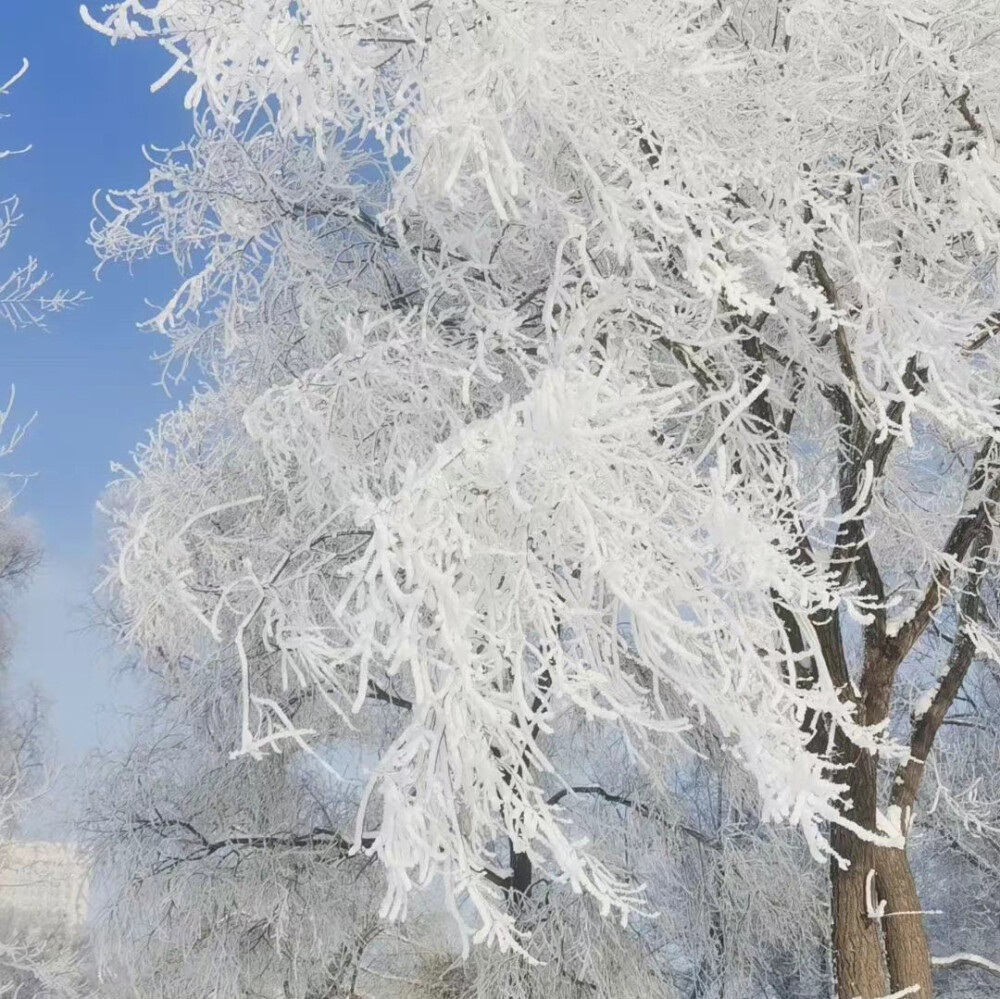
x: 86, y: 110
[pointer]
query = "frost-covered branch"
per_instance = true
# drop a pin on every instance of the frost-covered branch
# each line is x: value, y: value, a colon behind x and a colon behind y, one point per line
x: 23, y: 302
x: 573, y: 393
x: 962, y: 960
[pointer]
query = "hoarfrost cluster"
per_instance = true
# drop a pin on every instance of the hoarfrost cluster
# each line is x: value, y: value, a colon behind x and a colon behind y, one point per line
x: 625, y: 368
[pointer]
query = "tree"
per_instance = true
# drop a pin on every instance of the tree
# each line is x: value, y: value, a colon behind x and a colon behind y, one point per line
x: 957, y: 860
x: 29, y: 968
x: 227, y: 878
x: 23, y: 301
x: 626, y: 366
x: 232, y: 877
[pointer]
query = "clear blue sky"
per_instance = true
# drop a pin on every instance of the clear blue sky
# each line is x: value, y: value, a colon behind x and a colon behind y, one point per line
x: 87, y: 110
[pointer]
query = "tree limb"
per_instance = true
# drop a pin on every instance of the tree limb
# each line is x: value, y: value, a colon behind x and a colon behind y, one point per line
x: 965, y: 960
x: 616, y: 799
x: 315, y: 838
x: 926, y: 727
x: 964, y: 532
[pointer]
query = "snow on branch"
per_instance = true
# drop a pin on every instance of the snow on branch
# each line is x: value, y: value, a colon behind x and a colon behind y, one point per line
x: 964, y: 960
x: 23, y: 302
x: 519, y: 337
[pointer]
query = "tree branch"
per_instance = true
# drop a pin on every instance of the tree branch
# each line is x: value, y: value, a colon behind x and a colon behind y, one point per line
x: 965, y: 960
x: 315, y: 838
x: 644, y: 810
x: 381, y: 694
x: 844, y: 355
x: 926, y: 727
x: 863, y: 454
x: 966, y: 529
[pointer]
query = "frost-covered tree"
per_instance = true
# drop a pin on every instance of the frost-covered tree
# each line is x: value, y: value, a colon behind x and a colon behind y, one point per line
x: 233, y: 876
x: 221, y: 877
x: 957, y: 855
x: 29, y: 968
x: 20, y: 305
x: 620, y: 368
x: 23, y: 298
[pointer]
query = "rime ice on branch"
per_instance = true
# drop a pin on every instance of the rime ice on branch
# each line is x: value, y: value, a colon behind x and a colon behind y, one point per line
x: 526, y: 321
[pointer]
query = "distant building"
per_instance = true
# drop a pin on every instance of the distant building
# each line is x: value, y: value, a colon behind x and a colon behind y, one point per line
x: 44, y: 888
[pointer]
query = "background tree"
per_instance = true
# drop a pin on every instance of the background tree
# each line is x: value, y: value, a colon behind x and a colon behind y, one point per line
x: 224, y: 877
x: 30, y: 968
x: 23, y: 298
x: 630, y: 400
x: 233, y: 876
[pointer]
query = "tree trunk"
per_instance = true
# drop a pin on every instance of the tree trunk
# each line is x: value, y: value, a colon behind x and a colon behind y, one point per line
x: 858, y: 961
x: 874, y: 957
x: 906, y: 951
x: 858, y: 964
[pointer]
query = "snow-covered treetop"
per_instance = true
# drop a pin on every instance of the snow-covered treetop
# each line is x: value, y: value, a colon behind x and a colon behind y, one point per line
x: 571, y: 362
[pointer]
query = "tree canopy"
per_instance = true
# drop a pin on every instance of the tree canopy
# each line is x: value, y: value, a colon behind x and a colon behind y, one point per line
x: 623, y: 368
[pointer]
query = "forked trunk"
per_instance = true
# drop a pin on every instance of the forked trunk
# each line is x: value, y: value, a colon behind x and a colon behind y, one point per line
x: 878, y: 940
x: 858, y: 960
x: 859, y: 968
x: 907, y: 955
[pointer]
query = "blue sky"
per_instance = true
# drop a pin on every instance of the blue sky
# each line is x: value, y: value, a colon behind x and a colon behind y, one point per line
x: 87, y: 110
